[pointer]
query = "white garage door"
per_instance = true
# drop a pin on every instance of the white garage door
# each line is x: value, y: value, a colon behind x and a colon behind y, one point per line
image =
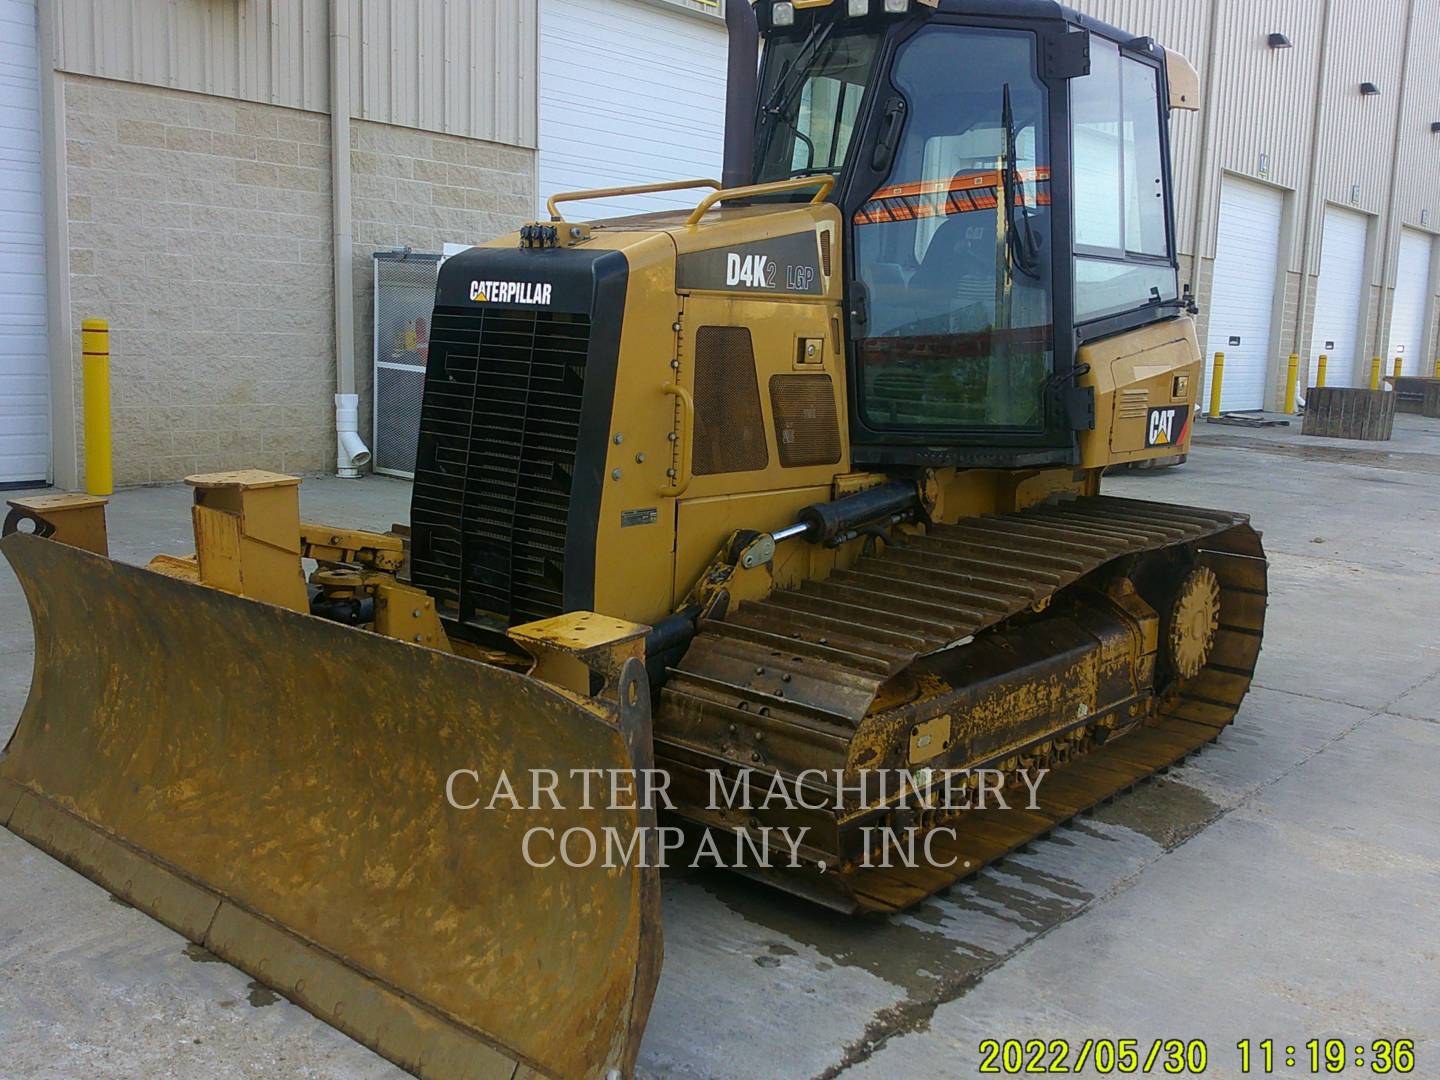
x: 1412, y: 291
x: 24, y: 378
x: 1339, y: 295
x: 1247, y: 261
x: 629, y: 94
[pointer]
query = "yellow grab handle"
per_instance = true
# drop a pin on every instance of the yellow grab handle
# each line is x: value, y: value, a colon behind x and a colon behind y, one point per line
x: 679, y: 473
x: 553, y: 203
x: 823, y: 184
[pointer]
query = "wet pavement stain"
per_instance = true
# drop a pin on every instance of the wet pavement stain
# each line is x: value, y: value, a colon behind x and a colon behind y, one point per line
x: 874, y: 944
x: 201, y: 955
x: 1039, y: 879
x: 1090, y: 830
x: 261, y: 995
x: 1379, y: 459
x: 1032, y: 911
x: 1165, y: 810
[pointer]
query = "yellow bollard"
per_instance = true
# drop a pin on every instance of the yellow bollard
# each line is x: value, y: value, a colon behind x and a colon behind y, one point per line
x: 1320, y: 369
x: 1292, y: 376
x: 1217, y: 374
x: 95, y: 345
x: 1437, y: 367
x: 1375, y: 365
x: 1399, y: 366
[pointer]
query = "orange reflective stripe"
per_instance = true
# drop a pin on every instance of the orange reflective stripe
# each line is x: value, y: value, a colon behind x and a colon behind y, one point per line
x: 962, y: 195
x: 966, y: 182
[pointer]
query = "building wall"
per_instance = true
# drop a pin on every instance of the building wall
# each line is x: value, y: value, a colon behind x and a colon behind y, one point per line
x: 416, y: 189
x: 1295, y: 119
x: 457, y: 66
x: 196, y: 158
x: 200, y: 227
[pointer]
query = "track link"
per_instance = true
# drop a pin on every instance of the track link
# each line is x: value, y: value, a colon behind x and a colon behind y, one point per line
x: 794, y: 675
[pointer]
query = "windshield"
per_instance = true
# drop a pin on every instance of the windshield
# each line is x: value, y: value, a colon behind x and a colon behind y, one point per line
x: 809, y: 101
x: 953, y: 249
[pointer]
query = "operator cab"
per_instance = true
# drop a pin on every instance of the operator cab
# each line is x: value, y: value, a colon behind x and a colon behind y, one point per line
x: 1003, y: 175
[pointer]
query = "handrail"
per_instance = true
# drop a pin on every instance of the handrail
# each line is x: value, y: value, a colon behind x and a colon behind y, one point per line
x: 680, y: 473
x: 552, y: 203
x: 825, y: 182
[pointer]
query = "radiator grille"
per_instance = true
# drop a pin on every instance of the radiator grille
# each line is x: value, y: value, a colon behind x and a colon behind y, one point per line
x: 807, y: 429
x: 729, y: 429
x: 498, y: 434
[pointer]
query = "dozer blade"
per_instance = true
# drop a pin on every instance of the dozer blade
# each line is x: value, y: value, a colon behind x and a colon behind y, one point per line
x: 273, y: 786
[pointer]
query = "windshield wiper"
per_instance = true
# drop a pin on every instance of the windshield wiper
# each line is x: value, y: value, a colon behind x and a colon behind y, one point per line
x: 1024, y: 244
x: 778, y: 103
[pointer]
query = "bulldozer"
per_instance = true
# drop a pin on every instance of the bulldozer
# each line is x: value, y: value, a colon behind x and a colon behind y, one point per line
x: 802, y: 481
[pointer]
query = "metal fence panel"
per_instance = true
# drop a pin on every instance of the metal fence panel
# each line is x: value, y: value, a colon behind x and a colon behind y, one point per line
x: 404, y: 303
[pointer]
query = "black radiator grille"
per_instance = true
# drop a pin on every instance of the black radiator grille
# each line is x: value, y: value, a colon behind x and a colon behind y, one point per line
x: 498, y: 432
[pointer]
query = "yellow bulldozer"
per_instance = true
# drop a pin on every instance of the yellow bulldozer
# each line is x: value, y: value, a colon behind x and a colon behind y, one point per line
x: 801, y: 482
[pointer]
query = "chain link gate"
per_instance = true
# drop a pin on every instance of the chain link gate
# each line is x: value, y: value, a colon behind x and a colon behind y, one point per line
x: 404, y: 303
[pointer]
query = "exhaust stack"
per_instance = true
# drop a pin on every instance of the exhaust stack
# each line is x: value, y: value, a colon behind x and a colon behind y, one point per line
x: 740, y: 93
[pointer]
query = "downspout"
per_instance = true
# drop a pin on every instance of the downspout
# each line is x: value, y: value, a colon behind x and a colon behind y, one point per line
x: 351, y: 453
x: 1208, y: 108
x: 740, y: 93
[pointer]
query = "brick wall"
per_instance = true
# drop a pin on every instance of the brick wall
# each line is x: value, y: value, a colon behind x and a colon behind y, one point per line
x: 200, y: 227
x: 425, y: 190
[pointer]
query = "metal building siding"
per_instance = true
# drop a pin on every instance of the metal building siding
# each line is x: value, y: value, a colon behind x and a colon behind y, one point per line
x: 459, y: 66
x: 448, y: 65
x: 1183, y: 28
x: 271, y: 51
x: 1417, y: 182
x: 1247, y: 72
x: 1357, y: 136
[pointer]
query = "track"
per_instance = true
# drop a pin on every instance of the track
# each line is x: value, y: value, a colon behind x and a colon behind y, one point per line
x: 784, y: 684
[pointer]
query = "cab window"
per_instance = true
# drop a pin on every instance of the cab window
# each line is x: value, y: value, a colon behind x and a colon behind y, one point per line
x: 953, y: 249
x: 810, y: 99
x: 1123, y: 257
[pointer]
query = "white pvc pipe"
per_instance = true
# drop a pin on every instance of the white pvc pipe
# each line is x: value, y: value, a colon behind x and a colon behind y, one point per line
x: 352, y: 454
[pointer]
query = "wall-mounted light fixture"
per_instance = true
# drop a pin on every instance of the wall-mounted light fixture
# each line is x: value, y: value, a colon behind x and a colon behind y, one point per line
x: 1369, y: 89
x: 1280, y: 41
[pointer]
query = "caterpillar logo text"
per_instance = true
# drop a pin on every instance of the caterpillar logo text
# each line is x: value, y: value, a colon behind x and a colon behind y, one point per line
x: 1163, y: 426
x: 510, y: 292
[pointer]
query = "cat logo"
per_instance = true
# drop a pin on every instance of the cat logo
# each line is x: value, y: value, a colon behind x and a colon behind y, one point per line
x: 1163, y: 427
